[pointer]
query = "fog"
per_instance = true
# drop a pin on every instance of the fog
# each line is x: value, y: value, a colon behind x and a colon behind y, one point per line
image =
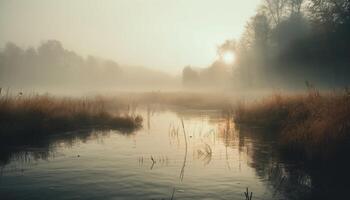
x: 286, y: 45
x: 174, y: 99
x: 52, y: 67
x: 158, y: 34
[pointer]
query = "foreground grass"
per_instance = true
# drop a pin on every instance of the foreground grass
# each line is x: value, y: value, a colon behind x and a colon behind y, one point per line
x: 314, y: 127
x: 43, y: 114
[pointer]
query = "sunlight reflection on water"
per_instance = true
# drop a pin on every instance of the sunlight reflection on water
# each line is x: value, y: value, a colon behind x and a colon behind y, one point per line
x: 148, y: 164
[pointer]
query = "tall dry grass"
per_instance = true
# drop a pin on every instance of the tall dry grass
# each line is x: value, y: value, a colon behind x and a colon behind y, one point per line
x: 44, y: 114
x: 313, y: 126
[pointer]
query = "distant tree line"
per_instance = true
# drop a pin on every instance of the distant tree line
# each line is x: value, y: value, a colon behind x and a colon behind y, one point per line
x: 289, y: 42
x: 218, y: 73
x: 51, y: 65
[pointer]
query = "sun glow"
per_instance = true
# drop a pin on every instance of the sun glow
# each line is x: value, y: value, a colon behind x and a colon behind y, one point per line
x: 228, y: 57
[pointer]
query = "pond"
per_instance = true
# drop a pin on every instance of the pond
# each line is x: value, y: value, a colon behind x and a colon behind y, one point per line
x: 178, y: 154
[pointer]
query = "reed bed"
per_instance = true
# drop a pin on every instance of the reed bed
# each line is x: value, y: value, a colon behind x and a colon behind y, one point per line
x: 44, y: 114
x: 312, y: 126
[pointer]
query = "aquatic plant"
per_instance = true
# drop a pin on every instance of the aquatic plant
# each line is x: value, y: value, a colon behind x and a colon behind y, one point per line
x: 313, y: 126
x: 45, y: 114
x: 204, y: 153
x: 182, y: 173
x: 248, y: 196
x: 172, y: 195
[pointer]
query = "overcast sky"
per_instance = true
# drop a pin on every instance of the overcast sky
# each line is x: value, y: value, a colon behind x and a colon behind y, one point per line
x: 166, y: 34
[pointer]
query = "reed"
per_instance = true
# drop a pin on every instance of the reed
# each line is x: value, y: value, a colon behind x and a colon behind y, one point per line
x: 44, y: 114
x: 248, y: 196
x: 182, y: 173
x: 312, y: 126
x: 172, y: 195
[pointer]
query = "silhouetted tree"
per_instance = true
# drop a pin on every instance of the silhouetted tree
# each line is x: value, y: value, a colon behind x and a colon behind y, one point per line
x: 228, y: 45
x: 290, y: 41
x: 295, y: 6
x: 189, y: 76
x: 276, y: 9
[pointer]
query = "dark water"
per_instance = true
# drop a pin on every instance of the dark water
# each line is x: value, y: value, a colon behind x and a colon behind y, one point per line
x: 219, y: 162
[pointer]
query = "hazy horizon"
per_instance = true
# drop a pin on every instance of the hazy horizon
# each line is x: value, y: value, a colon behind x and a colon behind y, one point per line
x: 174, y: 99
x: 225, y: 45
x: 158, y: 34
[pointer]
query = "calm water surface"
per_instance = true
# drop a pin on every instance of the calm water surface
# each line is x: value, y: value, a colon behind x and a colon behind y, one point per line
x: 218, y: 162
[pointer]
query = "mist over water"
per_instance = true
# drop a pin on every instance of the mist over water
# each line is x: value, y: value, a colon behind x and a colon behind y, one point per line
x: 165, y: 99
x: 150, y: 163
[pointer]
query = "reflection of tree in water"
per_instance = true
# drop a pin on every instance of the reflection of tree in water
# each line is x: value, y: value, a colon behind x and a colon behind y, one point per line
x: 31, y: 148
x: 285, y: 180
x: 226, y: 131
x: 290, y: 179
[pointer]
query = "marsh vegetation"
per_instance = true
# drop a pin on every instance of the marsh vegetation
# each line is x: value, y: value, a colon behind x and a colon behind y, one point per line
x: 313, y: 126
x: 35, y: 115
x: 211, y: 117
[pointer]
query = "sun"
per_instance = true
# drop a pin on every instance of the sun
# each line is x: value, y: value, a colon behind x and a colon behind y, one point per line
x: 228, y: 57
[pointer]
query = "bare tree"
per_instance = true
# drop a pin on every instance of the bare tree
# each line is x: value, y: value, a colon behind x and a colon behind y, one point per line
x: 295, y: 6
x: 331, y: 12
x: 276, y: 9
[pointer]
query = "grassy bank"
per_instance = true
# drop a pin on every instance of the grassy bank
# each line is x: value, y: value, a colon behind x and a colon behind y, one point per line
x: 313, y: 127
x: 43, y: 114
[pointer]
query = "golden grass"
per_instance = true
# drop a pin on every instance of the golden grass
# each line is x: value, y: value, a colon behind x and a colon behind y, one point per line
x: 311, y: 126
x: 43, y: 114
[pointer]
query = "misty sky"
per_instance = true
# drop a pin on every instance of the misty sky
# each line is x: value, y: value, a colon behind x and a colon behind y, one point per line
x: 166, y: 34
